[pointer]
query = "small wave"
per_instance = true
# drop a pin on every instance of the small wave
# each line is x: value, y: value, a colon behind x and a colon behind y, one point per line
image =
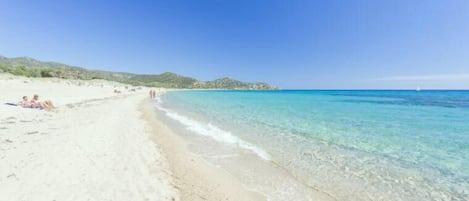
x: 213, y: 132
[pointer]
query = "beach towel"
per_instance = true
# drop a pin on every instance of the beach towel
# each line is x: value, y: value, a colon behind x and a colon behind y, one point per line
x: 14, y: 104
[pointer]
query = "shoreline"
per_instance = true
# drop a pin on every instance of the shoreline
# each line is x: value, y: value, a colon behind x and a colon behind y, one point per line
x: 194, y: 178
x: 207, y: 121
x: 98, y: 145
x: 254, y: 172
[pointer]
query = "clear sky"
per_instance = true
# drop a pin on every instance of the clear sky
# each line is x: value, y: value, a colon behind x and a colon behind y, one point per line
x: 291, y: 44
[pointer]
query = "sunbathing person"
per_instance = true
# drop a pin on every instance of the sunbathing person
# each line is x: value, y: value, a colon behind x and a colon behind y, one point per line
x: 25, y: 102
x: 44, y: 104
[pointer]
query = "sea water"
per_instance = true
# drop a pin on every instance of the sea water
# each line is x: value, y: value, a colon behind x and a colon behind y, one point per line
x: 351, y: 144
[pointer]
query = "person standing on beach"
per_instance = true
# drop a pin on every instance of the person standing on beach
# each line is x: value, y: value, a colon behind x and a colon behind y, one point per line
x: 152, y: 94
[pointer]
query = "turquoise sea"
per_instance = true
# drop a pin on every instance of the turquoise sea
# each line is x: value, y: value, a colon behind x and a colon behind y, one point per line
x: 353, y: 144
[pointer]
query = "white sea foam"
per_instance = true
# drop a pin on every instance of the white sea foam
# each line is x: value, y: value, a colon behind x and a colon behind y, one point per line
x: 212, y: 131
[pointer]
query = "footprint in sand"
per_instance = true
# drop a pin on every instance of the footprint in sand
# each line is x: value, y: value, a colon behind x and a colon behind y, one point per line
x: 12, y: 176
x: 9, y: 120
x: 32, y: 132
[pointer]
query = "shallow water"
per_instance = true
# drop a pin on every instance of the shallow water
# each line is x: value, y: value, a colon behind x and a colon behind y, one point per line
x: 354, y: 145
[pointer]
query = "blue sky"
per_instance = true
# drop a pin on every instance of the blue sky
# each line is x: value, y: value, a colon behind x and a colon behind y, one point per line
x: 291, y: 44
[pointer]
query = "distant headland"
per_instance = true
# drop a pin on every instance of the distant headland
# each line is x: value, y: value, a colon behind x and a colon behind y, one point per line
x: 29, y: 67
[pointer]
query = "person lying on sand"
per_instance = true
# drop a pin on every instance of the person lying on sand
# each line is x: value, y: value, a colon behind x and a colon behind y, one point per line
x: 25, y: 102
x: 44, y: 104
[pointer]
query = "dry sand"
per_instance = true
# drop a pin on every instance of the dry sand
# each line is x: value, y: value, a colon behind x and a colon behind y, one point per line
x: 97, y: 145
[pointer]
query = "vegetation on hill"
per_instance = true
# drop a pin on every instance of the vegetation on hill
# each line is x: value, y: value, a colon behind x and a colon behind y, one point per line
x: 25, y: 66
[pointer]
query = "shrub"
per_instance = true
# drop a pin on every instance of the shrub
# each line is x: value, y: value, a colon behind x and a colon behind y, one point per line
x: 20, y: 70
x: 47, y: 73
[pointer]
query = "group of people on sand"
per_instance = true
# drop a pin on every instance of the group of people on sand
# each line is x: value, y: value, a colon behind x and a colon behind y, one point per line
x: 35, y: 103
x: 152, y: 94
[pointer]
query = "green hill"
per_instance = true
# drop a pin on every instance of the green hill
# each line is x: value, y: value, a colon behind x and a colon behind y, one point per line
x: 29, y: 67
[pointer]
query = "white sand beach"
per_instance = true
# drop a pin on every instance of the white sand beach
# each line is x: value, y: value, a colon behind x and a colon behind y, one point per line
x: 98, y: 145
